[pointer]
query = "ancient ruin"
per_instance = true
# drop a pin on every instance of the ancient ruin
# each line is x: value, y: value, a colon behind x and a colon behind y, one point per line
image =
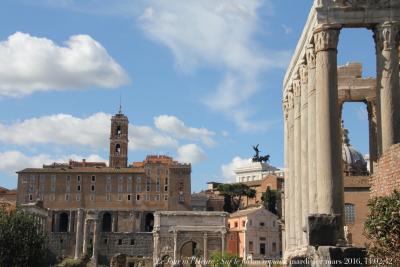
x: 312, y: 101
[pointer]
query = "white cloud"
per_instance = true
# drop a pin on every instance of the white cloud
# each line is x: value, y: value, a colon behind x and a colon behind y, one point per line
x: 176, y: 127
x: 146, y: 138
x: 228, y: 169
x: 29, y: 64
x: 190, y: 153
x: 12, y: 161
x: 221, y: 34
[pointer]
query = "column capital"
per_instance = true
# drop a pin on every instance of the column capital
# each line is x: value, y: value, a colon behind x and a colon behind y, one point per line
x: 326, y: 38
x: 297, y: 86
x: 303, y: 71
x: 387, y: 36
x: 310, y: 56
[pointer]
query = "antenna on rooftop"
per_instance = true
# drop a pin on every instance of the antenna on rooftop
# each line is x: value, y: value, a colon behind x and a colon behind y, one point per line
x: 120, y: 105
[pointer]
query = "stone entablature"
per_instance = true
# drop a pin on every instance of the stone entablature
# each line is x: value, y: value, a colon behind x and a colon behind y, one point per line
x: 255, y: 171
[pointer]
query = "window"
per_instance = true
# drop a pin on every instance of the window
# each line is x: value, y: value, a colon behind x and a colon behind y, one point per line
x: 120, y: 179
x: 108, y: 179
x: 148, y: 185
x: 119, y: 197
x: 236, y: 224
x: 165, y: 197
x: 137, y: 197
x: 349, y: 213
x: 157, y: 197
x: 30, y: 197
x: 180, y: 185
x: 118, y: 149
x: 119, y: 241
x: 165, y: 188
x: 118, y: 132
x: 132, y: 242
x: 53, y: 183
x: 181, y: 198
x: 262, y: 224
x: 78, y: 197
x: 92, y: 188
x: 138, y: 184
x: 92, y: 197
x: 66, y: 197
x: 158, y: 184
x: 108, y: 197
x: 105, y: 241
x: 243, y: 223
x: 251, y: 246
x: 128, y: 197
x: 93, y: 178
x: 108, y: 188
x: 68, y: 179
x: 147, y: 197
x: 129, y: 184
x: 78, y: 178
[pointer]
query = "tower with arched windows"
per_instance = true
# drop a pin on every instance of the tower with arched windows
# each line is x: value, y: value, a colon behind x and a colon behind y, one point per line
x: 119, y: 141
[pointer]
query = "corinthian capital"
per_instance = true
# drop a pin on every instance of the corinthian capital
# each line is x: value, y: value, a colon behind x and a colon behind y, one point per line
x: 303, y: 71
x: 310, y: 55
x: 297, y: 86
x: 387, y: 36
x: 326, y: 39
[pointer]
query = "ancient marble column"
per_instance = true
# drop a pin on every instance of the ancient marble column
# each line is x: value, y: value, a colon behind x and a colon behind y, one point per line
x: 205, y: 247
x: 372, y: 125
x: 156, y: 237
x: 78, y: 238
x: 95, y: 240
x: 328, y: 135
x: 388, y: 74
x: 291, y: 216
x: 285, y: 202
x: 311, y: 121
x: 70, y: 221
x: 175, y: 247
x: 114, y: 222
x: 297, y: 159
x: 303, y: 70
x: 223, y: 243
x: 85, y: 237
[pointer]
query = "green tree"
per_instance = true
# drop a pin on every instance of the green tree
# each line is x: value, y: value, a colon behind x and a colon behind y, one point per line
x: 22, y: 243
x: 269, y: 199
x: 231, y: 192
x: 382, y: 227
x: 250, y: 193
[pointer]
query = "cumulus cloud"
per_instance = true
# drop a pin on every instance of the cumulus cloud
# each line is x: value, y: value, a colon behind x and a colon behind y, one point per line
x: 220, y: 34
x: 12, y: 161
x: 190, y: 153
x: 176, y: 127
x: 93, y: 131
x: 228, y: 169
x: 29, y: 64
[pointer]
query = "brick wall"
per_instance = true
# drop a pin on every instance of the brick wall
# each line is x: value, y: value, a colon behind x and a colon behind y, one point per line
x: 387, y: 173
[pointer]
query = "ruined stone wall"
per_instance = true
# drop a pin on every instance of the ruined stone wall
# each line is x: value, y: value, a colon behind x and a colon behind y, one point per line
x: 386, y: 177
x: 61, y: 244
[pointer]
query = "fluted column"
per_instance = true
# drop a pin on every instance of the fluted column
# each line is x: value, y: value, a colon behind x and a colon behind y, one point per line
x: 329, y: 149
x: 291, y: 178
x: 175, y: 234
x: 297, y: 159
x: 205, y: 247
x: 285, y: 208
x: 78, y: 239
x: 387, y: 35
x: 304, y: 149
x: 372, y: 123
x: 311, y: 121
x: 223, y: 243
x: 85, y: 237
x: 95, y: 241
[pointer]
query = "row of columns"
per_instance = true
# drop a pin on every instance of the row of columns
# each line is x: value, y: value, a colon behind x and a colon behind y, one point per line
x: 313, y: 160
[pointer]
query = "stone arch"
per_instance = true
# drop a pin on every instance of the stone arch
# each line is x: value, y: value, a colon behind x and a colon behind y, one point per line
x: 106, y: 222
x: 188, y: 249
x: 63, y: 223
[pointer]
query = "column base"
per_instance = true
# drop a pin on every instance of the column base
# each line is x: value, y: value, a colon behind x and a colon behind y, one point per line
x: 327, y: 256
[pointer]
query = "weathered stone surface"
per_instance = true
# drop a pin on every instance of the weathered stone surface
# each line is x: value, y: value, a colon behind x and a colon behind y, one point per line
x: 322, y: 229
x: 118, y: 260
x: 329, y: 256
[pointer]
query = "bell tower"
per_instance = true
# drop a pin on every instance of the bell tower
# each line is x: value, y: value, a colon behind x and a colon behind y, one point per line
x: 119, y: 141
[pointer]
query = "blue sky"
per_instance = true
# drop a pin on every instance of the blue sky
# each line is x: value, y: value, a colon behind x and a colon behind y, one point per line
x: 200, y: 80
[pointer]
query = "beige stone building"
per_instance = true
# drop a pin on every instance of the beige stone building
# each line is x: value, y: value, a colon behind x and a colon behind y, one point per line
x: 110, y: 208
x: 254, y: 233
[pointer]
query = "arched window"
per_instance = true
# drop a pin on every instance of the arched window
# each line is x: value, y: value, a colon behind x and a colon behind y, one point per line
x: 63, y: 224
x: 106, y: 223
x: 118, y: 132
x: 118, y: 149
x: 349, y: 213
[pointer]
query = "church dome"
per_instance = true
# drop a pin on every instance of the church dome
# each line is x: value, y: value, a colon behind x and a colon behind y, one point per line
x: 353, y: 161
